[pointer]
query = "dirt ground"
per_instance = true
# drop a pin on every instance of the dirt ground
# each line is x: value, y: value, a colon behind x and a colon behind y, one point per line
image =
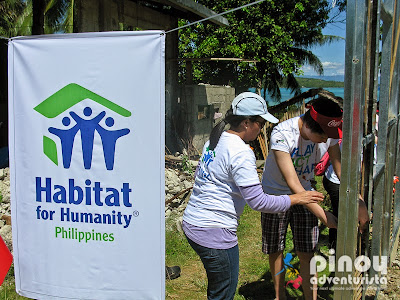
x: 392, y: 290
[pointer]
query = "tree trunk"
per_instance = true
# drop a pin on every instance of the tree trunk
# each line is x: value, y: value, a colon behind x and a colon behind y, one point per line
x: 38, y: 7
x: 77, y: 9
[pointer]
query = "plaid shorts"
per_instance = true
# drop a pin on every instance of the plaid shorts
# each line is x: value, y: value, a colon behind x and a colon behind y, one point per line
x: 303, y: 223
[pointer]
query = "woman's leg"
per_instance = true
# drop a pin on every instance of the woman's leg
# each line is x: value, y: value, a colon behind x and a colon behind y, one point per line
x: 333, y: 191
x: 222, y: 268
x: 305, y: 238
x: 278, y: 272
x: 274, y: 227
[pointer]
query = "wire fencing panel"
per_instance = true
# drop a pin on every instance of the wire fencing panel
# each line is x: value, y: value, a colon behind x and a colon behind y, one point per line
x: 370, y: 26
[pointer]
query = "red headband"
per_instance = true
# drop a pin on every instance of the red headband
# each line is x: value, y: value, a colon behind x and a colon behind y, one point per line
x: 332, y: 126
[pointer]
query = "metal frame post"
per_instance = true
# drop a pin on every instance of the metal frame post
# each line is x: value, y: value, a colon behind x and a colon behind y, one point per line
x: 353, y: 115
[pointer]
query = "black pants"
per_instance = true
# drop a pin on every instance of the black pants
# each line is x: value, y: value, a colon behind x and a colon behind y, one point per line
x: 333, y: 191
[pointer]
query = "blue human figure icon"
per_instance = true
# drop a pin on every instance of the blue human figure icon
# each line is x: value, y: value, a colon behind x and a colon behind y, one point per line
x: 67, y: 137
x: 286, y: 262
x: 109, y: 139
x: 208, y: 157
x: 87, y: 128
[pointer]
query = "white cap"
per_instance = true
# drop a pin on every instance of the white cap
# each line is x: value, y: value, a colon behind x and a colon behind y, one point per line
x: 251, y: 104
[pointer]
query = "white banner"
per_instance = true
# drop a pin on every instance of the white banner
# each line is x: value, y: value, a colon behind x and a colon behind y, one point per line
x: 87, y: 165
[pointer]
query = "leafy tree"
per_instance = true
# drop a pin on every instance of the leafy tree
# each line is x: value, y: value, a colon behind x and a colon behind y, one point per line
x: 51, y: 16
x: 277, y: 34
x: 10, y: 10
x: 19, y: 17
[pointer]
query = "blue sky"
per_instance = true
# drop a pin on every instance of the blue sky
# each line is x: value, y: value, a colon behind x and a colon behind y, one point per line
x: 332, y: 55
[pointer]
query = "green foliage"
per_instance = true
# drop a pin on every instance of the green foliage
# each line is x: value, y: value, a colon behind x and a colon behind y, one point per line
x: 7, y: 289
x: 276, y: 34
x: 177, y: 249
x: 186, y: 165
x: 318, y: 83
x: 10, y: 10
x: 255, y: 281
x: 16, y: 17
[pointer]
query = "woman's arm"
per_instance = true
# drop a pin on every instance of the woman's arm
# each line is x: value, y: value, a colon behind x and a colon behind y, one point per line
x: 335, y: 157
x: 258, y: 200
x: 285, y: 164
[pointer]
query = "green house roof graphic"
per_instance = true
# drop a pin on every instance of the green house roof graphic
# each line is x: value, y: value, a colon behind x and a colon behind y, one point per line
x: 70, y: 95
x: 63, y: 100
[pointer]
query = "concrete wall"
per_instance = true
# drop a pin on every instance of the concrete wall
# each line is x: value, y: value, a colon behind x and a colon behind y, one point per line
x: 198, y: 106
x: 113, y: 15
x: 108, y: 15
x: 183, y: 126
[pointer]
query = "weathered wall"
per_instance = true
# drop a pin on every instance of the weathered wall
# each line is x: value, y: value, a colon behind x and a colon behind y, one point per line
x: 199, y: 105
x: 108, y: 15
x: 112, y: 15
x: 182, y: 104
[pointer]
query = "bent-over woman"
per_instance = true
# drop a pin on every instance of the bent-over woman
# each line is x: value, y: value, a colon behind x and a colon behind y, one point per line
x: 225, y: 180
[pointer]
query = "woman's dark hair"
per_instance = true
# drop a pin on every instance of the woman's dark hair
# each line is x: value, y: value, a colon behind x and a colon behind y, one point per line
x: 325, y: 107
x: 231, y: 119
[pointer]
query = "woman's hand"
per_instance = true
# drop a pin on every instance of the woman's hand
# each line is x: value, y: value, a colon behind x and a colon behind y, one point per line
x: 331, y: 220
x: 310, y: 200
x: 306, y: 197
x: 363, y: 216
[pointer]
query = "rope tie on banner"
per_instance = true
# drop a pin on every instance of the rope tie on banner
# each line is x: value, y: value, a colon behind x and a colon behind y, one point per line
x: 214, y: 16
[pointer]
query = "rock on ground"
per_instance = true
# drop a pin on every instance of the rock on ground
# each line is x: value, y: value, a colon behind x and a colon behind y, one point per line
x: 176, y: 181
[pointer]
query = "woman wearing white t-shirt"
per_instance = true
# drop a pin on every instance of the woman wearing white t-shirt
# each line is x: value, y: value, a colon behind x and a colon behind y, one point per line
x: 297, y: 145
x: 226, y: 179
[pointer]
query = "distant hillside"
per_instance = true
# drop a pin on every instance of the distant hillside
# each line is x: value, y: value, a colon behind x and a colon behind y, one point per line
x: 326, y: 77
x: 317, y: 83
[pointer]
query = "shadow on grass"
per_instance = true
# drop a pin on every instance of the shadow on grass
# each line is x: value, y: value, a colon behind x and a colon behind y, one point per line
x: 261, y: 289
x: 264, y: 288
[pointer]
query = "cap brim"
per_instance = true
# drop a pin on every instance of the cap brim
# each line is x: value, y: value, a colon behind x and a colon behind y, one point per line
x: 333, y: 132
x: 269, y: 118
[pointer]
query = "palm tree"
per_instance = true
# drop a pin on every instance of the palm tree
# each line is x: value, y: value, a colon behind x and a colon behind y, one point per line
x: 10, y: 10
x: 59, y: 15
x: 43, y: 16
x: 275, y: 78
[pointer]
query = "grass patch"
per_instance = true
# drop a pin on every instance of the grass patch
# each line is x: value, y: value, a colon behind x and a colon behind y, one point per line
x: 177, y: 249
x: 255, y: 280
x: 7, y: 289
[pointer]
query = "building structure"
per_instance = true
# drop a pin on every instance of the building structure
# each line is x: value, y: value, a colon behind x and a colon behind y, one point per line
x: 113, y: 15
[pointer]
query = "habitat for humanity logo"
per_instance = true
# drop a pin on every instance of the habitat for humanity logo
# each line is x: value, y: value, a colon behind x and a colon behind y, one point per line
x: 59, y: 103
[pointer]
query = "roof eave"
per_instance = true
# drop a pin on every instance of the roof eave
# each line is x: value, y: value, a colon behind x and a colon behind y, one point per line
x: 197, y: 9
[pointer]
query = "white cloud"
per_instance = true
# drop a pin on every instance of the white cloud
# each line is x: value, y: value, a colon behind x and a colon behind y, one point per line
x: 330, y: 69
